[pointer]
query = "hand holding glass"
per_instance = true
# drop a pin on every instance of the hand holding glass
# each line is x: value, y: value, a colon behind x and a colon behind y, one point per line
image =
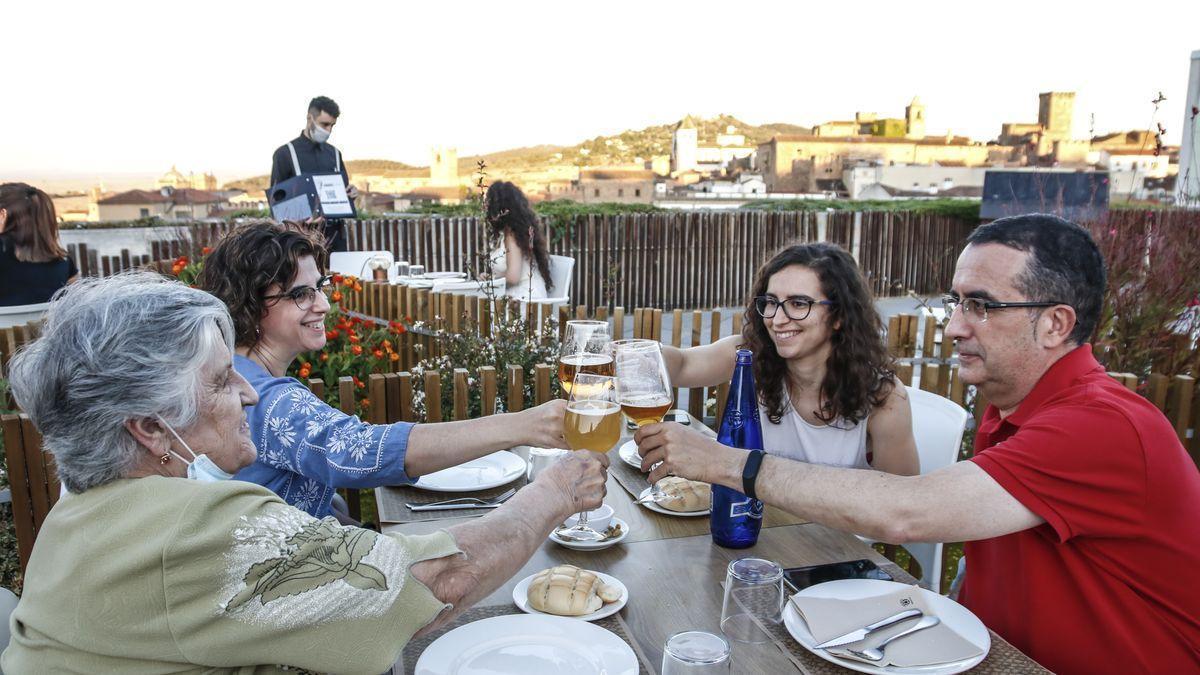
x: 592, y: 422
x: 643, y: 386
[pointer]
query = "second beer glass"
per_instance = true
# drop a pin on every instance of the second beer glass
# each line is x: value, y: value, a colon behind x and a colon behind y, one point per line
x: 592, y: 422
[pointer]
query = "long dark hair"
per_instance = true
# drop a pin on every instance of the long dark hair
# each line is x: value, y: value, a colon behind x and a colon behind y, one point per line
x: 508, y: 210
x: 247, y: 260
x: 859, y: 374
x: 32, y: 225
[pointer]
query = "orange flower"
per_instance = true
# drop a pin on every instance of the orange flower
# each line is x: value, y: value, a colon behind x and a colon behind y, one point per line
x: 206, y: 250
x: 324, y: 357
x: 378, y: 354
x: 395, y: 356
x: 305, y: 371
x: 366, y: 403
x: 357, y: 287
x: 336, y: 296
x: 387, y: 344
x: 357, y: 382
x: 407, y: 319
x: 354, y: 339
x: 337, y: 279
x: 348, y: 282
x: 356, y: 350
x: 332, y: 335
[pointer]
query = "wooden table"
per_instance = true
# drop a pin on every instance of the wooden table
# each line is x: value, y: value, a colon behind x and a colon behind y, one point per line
x: 674, y: 573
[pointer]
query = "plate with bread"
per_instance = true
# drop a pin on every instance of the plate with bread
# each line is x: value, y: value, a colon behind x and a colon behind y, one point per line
x: 567, y: 590
x: 681, y: 497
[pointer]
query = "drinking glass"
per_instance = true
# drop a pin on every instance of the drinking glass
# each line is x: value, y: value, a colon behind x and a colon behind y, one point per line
x: 592, y: 422
x: 643, y: 386
x: 753, y: 599
x: 584, y: 350
x: 693, y: 652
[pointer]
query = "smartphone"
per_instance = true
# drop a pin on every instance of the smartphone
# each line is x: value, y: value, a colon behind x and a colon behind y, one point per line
x: 800, y: 578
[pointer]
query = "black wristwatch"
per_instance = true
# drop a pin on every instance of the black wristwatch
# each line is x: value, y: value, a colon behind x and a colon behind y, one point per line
x: 750, y: 472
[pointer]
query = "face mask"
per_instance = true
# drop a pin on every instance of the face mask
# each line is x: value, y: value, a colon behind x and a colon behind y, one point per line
x: 318, y: 134
x: 201, y: 468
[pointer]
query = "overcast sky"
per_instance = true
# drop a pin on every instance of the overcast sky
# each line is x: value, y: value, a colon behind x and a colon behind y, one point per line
x: 119, y: 87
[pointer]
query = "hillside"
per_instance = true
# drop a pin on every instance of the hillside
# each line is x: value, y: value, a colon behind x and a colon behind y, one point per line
x: 260, y: 183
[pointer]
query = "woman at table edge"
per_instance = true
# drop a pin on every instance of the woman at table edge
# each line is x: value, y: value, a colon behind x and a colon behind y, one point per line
x: 156, y: 561
x: 827, y: 393
x: 522, y: 256
x: 267, y: 275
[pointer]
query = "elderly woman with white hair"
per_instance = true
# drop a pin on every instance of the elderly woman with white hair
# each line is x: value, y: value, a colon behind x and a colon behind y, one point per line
x: 156, y: 563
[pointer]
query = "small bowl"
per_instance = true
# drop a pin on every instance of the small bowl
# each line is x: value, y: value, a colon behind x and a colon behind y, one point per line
x: 598, y: 520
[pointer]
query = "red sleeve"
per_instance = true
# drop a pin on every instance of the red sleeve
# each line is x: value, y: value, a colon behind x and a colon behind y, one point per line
x: 1080, y: 467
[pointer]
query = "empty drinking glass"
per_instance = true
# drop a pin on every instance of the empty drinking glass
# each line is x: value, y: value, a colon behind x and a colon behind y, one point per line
x: 753, y: 599
x: 694, y: 652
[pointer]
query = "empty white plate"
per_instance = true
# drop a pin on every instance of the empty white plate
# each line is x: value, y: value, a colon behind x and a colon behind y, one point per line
x: 521, y: 598
x: 525, y: 644
x: 486, y: 472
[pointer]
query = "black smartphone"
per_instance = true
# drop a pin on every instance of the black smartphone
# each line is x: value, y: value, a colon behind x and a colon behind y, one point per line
x: 800, y: 578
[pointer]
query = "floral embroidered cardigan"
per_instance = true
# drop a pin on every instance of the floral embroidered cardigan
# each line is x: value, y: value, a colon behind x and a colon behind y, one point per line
x: 307, y: 449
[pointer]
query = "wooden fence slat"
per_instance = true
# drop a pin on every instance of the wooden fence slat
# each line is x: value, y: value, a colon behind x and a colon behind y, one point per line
x: 346, y: 394
x: 516, y: 388
x: 1156, y: 390
x: 487, y: 398
x: 22, y: 506
x: 927, y: 343
x: 696, y: 394
x: 460, y: 393
x: 1179, y: 410
x: 391, y: 385
x: 541, y: 382
x: 377, y: 395
x: 929, y: 377
x: 904, y: 371
x: 408, y: 411
x: 317, y: 387
x: 433, y: 396
x: 958, y: 391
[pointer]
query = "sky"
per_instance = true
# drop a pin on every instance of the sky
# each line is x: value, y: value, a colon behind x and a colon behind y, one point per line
x: 124, y: 90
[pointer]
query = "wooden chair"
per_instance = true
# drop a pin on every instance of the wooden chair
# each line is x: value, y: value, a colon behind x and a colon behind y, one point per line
x: 33, y: 480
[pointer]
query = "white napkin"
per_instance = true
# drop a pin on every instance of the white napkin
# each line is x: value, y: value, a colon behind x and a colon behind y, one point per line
x: 828, y: 618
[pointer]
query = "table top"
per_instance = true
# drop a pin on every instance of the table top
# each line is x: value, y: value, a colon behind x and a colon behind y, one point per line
x: 674, y: 572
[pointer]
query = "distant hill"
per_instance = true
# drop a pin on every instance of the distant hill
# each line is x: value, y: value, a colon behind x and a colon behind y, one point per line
x: 624, y: 148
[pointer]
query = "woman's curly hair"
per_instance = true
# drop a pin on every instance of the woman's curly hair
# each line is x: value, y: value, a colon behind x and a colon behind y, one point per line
x: 508, y: 209
x: 248, y: 260
x: 859, y: 375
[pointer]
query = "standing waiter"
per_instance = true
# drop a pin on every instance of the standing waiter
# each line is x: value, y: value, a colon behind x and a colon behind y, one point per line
x: 311, y: 153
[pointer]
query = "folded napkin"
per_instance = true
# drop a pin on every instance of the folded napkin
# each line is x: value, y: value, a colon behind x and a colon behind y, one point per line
x: 828, y: 618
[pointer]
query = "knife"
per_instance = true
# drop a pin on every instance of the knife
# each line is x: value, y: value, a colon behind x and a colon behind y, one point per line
x: 449, y: 507
x: 856, y: 635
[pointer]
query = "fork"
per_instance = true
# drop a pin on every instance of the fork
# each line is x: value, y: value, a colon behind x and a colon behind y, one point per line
x: 464, y: 503
x: 876, y: 653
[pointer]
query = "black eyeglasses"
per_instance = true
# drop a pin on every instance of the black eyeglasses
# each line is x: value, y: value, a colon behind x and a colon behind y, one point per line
x: 304, y: 296
x: 796, y: 308
x: 976, y: 309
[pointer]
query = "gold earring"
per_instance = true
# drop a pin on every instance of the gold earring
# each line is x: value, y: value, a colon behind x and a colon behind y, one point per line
x: 164, y: 459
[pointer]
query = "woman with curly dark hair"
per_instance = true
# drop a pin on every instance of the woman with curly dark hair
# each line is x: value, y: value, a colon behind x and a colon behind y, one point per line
x: 521, y: 256
x: 827, y: 393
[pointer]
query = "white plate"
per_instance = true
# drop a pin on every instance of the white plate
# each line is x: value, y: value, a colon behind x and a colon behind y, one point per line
x: 629, y: 455
x: 444, y: 275
x: 653, y: 506
x: 524, y: 644
x: 521, y: 598
x: 486, y: 472
x: 950, y: 612
x: 593, y: 545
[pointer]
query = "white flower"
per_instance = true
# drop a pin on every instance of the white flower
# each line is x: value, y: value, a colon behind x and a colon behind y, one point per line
x: 308, y: 494
x: 303, y: 401
x: 359, y: 444
x: 281, y: 428
x: 319, y: 422
x: 341, y: 439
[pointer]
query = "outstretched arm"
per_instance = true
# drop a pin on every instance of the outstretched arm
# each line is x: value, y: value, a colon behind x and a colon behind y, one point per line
x: 703, y: 366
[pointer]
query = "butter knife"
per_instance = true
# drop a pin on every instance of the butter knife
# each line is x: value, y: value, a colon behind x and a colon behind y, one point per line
x: 856, y: 635
x: 448, y: 507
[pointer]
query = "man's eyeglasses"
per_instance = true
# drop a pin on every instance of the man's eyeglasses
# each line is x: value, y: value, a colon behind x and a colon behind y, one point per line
x: 976, y: 309
x: 304, y: 296
x: 795, y: 308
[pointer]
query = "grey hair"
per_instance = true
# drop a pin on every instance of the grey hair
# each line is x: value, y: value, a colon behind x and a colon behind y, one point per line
x: 126, y: 347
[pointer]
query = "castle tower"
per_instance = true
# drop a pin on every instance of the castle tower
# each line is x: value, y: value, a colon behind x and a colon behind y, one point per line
x: 914, y: 119
x: 683, y: 145
x: 1056, y: 110
x: 443, y: 167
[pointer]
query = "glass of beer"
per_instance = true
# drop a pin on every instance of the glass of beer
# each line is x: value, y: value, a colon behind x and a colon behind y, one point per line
x: 584, y: 350
x: 643, y: 385
x: 592, y: 422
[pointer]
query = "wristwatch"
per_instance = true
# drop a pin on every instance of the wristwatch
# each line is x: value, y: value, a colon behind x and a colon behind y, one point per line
x: 750, y: 472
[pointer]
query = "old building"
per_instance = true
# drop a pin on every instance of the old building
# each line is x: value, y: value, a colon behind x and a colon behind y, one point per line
x: 176, y: 179
x: 166, y: 203
x: 627, y: 186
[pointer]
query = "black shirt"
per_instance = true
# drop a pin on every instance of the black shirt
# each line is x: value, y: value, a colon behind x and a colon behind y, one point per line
x: 313, y: 158
x: 29, y: 283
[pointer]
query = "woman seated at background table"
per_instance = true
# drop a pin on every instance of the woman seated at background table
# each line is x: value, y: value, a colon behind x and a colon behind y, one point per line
x: 271, y: 278
x: 521, y: 258
x: 157, y: 563
x: 827, y: 394
x: 33, y: 263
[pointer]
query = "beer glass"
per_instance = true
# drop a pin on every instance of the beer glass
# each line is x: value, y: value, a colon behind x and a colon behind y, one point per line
x: 643, y: 386
x: 584, y: 350
x: 592, y: 422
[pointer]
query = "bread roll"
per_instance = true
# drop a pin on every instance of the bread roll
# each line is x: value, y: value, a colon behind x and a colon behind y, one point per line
x: 567, y: 590
x: 685, y: 495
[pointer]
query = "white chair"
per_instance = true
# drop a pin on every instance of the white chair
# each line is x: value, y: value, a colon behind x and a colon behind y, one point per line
x: 938, y: 425
x: 8, y: 602
x: 355, y: 262
x: 19, y: 315
x: 561, y: 268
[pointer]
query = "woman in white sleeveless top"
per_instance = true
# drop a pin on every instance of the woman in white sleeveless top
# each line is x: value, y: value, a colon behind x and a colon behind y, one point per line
x: 521, y: 257
x: 827, y: 394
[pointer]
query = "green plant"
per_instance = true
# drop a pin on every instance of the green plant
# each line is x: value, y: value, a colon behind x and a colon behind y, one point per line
x: 966, y: 209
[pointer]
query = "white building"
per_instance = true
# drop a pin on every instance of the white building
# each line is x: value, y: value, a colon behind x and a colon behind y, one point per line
x: 741, y: 185
x: 932, y: 179
x: 1142, y: 162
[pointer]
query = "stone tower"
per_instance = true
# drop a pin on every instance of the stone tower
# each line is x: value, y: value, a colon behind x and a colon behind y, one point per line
x: 1056, y: 110
x: 443, y: 167
x: 683, y: 145
x: 914, y: 119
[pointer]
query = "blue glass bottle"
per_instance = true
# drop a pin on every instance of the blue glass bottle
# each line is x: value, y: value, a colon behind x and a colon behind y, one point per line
x: 736, y: 519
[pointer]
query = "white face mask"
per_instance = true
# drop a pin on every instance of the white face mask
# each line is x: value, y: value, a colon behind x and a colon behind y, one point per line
x: 318, y: 134
x: 201, y: 468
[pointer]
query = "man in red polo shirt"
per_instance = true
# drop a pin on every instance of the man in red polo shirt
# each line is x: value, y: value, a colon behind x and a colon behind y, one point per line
x: 1081, y: 508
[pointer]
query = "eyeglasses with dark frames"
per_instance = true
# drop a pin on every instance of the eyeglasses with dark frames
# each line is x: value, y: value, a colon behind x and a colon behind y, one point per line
x: 796, y: 307
x: 976, y: 309
x: 304, y: 296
